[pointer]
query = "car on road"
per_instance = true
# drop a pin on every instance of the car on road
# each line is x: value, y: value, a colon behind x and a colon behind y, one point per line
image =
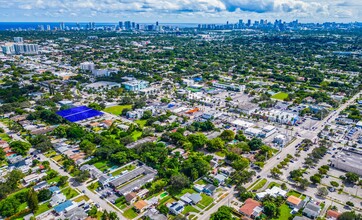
x: 258, y: 176
x: 278, y: 157
x: 97, y: 205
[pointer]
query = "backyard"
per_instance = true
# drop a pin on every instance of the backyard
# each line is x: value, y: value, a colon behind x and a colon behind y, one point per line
x: 130, y: 213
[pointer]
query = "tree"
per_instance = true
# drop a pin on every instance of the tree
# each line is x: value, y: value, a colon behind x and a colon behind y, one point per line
x: 93, y: 212
x: 349, y: 216
x: 303, y: 183
x: 63, y: 180
x: 112, y: 216
x: 81, y: 176
x: 255, y: 144
x: 240, y: 164
x: 32, y: 201
x: 179, y: 182
x: 41, y: 142
x: 44, y: 195
x: 87, y: 146
x: 275, y: 172
x: 163, y: 209
x: 322, y: 191
x: 215, y: 144
x: 227, y: 135
x: 223, y: 213
x: 20, y: 147
x: 271, y: 210
x: 315, y: 179
x: 147, y: 114
x: 197, y: 140
x: 351, y: 177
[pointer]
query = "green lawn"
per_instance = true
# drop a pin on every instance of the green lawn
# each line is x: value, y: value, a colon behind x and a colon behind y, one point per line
x: 136, y: 134
x: 272, y: 184
x: 5, y: 137
x: 130, y: 213
x: 103, y: 165
x: 117, y: 110
x: 119, y: 171
x: 141, y: 123
x: 184, y: 191
x: 259, y: 185
x: 81, y: 198
x: 220, y: 154
x: 294, y: 193
x: 280, y: 96
x: 42, y: 208
x: 58, y: 158
x: 189, y: 209
x: 201, y: 182
x: 284, y: 212
x: 69, y: 193
x: 205, y: 201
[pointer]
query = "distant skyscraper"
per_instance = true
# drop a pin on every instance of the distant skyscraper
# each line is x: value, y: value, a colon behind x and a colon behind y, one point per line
x: 127, y: 25
x: 26, y: 48
x: 62, y: 26
x: 48, y: 27
x: 133, y: 25
x: 120, y: 25
x: 18, y: 40
x: 156, y: 23
x: 249, y: 22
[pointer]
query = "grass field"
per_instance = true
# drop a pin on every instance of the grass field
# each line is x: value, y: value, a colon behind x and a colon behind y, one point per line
x: 189, y: 209
x: 130, y: 213
x: 81, y: 198
x: 42, y: 208
x: 205, y: 201
x: 280, y: 96
x: 294, y: 193
x: 272, y: 184
x: 129, y: 168
x: 136, y: 134
x: 141, y: 123
x: 259, y: 184
x: 5, y: 137
x: 69, y: 193
x: 103, y: 165
x: 284, y: 212
x: 117, y: 110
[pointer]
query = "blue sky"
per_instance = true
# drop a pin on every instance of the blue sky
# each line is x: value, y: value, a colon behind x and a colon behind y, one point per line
x: 182, y: 11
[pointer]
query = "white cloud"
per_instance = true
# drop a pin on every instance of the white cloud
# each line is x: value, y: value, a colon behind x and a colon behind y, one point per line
x: 189, y: 9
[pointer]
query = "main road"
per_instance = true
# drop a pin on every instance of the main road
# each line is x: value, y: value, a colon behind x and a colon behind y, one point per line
x: 290, y: 149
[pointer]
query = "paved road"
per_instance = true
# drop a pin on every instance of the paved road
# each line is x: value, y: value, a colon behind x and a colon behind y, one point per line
x: 290, y: 149
x: 82, y: 188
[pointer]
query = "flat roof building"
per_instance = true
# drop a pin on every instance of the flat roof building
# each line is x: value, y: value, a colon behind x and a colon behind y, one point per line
x: 349, y: 160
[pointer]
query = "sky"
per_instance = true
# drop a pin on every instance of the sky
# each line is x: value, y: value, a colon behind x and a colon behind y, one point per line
x: 179, y: 11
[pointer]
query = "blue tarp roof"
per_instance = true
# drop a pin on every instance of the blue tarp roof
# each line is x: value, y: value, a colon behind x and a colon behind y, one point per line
x: 79, y: 113
x: 62, y: 206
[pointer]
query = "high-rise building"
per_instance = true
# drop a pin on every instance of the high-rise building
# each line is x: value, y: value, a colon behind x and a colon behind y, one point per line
x: 8, y: 49
x: 18, y: 40
x: 156, y: 23
x: 87, y: 66
x: 120, y: 25
x: 133, y: 25
x: 127, y: 25
x: 48, y: 27
x: 249, y: 23
x: 61, y: 26
x: 26, y: 48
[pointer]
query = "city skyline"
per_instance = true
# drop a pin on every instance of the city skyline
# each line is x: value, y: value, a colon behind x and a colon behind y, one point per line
x: 215, y: 11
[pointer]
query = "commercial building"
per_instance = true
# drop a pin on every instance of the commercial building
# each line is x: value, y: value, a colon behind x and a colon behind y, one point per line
x: 18, y: 40
x: 349, y: 160
x: 135, y: 85
x: 8, y: 49
x: 232, y: 87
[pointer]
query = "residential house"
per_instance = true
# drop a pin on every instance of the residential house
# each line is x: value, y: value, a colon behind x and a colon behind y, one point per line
x: 293, y: 201
x: 195, y: 198
x: 220, y: 178
x: 209, y: 189
x: 332, y: 215
x: 312, y: 210
x: 33, y: 178
x: 63, y: 206
x: 251, y: 208
x: 40, y: 186
x: 176, y: 208
x: 131, y: 197
x: 198, y: 188
x: 93, y: 171
x: 274, y: 192
x: 140, y: 205
x: 57, y: 199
